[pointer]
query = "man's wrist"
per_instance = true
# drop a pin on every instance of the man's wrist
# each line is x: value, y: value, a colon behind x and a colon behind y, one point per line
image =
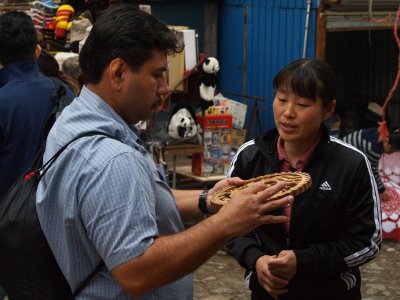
x: 202, y: 204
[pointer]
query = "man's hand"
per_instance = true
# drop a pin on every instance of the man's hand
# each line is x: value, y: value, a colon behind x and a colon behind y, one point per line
x: 213, y: 208
x: 273, y: 284
x: 248, y: 209
x: 283, y: 266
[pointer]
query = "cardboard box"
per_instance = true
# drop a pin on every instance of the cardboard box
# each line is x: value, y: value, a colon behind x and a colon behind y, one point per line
x: 217, y: 110
x: 217, y: 139
x: 215, y: 121
x: 237, y: 109
x: 208, y: 167
x: 175, y: 73
x: 176, y: 64
x: 238, y: 137
x: 201, y: 166
x: 189, y: 36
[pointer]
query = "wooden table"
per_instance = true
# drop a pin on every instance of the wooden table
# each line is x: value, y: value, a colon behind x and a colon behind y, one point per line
x: 174, y: 150
x: 186, y: 171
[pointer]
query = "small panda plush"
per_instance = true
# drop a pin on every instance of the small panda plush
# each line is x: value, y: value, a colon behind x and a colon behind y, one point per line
x: 208, y: 82
x: 182, y: 124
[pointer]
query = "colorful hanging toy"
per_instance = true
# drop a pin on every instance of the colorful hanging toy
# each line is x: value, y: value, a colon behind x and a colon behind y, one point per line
x: 63, y: 20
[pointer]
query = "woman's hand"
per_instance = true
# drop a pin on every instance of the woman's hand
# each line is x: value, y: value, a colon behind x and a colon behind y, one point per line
x: 273, y: 284
x: 284, y: 265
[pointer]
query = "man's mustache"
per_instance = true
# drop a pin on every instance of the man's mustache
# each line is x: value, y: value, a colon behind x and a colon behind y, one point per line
x: 157, y: 103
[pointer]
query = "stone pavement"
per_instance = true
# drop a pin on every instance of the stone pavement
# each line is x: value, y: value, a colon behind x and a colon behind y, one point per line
x: 221, y: 278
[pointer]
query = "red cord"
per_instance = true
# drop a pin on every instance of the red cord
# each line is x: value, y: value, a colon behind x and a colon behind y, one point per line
x: 383, y: 130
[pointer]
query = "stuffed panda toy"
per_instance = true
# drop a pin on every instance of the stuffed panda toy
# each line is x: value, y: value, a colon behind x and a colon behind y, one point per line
x: 182, y: 124
x: 208, y: 82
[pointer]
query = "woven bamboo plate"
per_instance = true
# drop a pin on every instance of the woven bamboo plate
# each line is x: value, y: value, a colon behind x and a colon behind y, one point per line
x: 296, y: 183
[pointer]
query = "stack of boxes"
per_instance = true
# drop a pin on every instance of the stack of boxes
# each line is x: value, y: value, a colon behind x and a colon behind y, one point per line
x: 217, y: 143
x: 223, y: 134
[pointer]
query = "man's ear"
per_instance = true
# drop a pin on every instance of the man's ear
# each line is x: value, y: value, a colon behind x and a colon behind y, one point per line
x: 38, y: 50
x: 117, y: 70
x: 329, y: 110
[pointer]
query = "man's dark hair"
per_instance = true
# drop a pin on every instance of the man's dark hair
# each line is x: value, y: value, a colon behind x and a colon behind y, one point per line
x: 18, y: 37
x: 123, y: 31
x: 308, y: 78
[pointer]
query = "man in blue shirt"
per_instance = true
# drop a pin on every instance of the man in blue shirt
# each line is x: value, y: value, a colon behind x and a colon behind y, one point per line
x: 104, y: 199
x: 26, y: 97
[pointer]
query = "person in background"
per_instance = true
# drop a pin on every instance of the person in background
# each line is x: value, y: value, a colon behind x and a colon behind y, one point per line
x: 71, y: 67
x: 26, y: 97
x: 48, y: 66
x: 335, y: 226
x: 105, y: 200
x: 366, y: 140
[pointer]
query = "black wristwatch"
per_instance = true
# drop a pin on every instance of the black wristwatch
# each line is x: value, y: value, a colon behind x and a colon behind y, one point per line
x: 203, y: 203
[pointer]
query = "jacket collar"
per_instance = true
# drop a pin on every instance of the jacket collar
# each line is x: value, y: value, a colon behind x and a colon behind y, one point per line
x: 266, y: 143
x: 18, y: 71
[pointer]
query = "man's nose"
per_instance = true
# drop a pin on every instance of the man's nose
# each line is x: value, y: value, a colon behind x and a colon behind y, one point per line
x: 162, y: 88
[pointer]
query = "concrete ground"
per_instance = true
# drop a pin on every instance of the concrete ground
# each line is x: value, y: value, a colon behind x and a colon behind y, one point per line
x: 221, y: 278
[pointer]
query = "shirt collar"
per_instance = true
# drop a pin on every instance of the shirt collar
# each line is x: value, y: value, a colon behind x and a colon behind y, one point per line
x: 18, y: 71
x: 93, y: 99
x: 284, y: 161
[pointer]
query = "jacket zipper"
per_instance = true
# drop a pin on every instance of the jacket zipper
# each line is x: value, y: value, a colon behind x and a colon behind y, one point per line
x: 288, y: 235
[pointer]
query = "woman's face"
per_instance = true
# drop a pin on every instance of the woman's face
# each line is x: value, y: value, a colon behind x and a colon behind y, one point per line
x: 298, y: 119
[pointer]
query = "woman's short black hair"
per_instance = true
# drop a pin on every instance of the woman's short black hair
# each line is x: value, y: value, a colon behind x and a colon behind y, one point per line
x: 126, y: 32
x: 309, y: 79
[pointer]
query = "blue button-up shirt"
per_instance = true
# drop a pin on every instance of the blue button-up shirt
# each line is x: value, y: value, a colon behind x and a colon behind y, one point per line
x: 104, y: 199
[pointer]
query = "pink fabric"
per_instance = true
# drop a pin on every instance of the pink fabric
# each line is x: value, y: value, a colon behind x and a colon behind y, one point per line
x: 389, y: 168
x: 284, y: 161
x: 285, y: 167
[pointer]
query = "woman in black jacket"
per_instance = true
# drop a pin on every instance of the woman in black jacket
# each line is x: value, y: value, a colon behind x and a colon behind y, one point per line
x: 335, y: 226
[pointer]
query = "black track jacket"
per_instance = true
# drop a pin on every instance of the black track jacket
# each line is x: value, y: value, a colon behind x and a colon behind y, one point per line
x: 335, y: 226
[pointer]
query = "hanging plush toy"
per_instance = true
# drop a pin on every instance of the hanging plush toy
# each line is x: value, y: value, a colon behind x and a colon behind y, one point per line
x: 63, y: 20
x: 208, y: 82
x: 183, y: 123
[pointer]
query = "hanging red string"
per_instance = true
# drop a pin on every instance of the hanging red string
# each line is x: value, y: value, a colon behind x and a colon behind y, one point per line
x: 382, y: 129
x: 388, y: 20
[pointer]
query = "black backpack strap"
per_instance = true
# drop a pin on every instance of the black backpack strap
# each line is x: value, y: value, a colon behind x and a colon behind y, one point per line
x: 60, y: 95
x: 37, y: 161
x: 87, y: 279
x: 43, y: 169
x: 58, y: 92
x: 61, y: 100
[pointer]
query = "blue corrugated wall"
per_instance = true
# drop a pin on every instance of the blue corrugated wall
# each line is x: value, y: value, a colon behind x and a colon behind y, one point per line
x: 274, y: 37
